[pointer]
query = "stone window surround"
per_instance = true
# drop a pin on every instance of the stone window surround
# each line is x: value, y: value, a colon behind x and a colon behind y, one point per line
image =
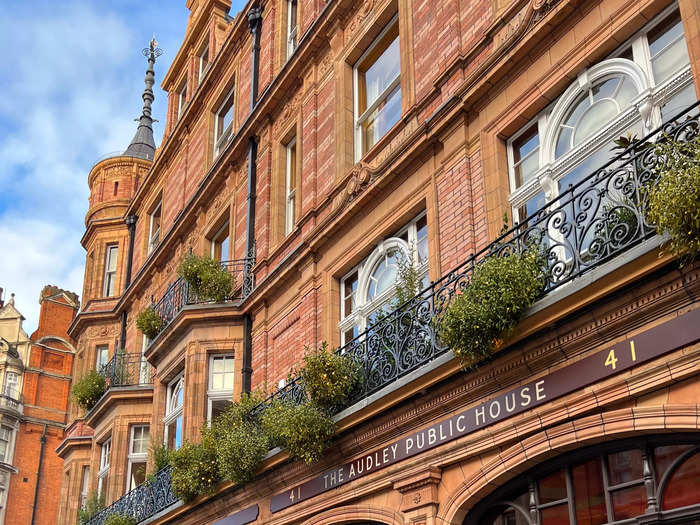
x: 134, y: 457
x: 219, y: 394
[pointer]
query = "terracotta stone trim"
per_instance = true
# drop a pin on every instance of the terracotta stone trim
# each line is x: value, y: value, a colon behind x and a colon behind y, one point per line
x: 356, y: 512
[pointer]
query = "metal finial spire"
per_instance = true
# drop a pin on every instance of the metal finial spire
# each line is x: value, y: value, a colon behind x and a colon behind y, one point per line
x: 143, y: 145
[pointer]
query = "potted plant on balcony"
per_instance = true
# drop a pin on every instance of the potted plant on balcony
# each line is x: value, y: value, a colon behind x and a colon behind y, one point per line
x: 501, y: 289
x: 195, y: 469
x: 674, y: 201
x: 206, y: 277
x: 88, y: 390
x: 149, y: 322
x: 328, y: 377
x: 119, y: 519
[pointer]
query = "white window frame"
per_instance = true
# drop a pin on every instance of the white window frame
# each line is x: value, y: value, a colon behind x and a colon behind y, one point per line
x: 290, y: 193
x: 7, y: 434
x: 144, y: 367
x: 364, y: 308
x: 11, y: 388
x: 222, y: 136
x: 109, y: 288
x: 84, y: 485
x: 203, y: 65
x: 154, y: 231
x: 360, y: 118
x: 215, y: 241
x: 292, y: 32
x: 101, y: 350
x: 643, y: 110
x: 135, y: 457
x: 218, y: 394
x: 105, y: 460
x: 172, y: 413
x: 181, y: 99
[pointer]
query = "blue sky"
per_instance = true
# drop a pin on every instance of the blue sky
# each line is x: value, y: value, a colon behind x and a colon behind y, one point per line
x: 71, y: 80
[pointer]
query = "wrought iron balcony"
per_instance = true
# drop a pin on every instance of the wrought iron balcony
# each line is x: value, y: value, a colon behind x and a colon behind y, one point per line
x: 179, y: 294
x: 146, y: 500
x: 590, y: 223
x: 127, y: 370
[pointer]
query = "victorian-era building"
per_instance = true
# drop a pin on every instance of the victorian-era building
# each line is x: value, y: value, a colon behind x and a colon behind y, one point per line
x: 36, y: 378
x: 307, y: 145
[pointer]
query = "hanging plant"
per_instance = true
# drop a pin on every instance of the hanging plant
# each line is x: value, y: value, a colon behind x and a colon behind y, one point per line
x: 240, y: 443
x: 88, y: 390
x: 501, y: 289
x: 207, y: 278
x: 304, y: 430
x: 149, y: 322
x: 194, y: 470
x: 329, y: 378
x: 674, y: 201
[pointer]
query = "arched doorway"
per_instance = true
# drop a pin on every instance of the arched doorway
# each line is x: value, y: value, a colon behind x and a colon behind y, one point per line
x: 608, y: 483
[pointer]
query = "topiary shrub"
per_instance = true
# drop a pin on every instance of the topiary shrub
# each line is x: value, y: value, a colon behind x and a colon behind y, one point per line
x: 674, y: 201
x: 149, y: 322
x: 240, y: 443
x: 119, y: 519
x: 160, y: 456
x: 93, y: 505
x: 208, y: 279
x: 194, y: 470
x: 88, y: 390
x: 501, y: 289
x: 328, y: 378
x: 304, y: 430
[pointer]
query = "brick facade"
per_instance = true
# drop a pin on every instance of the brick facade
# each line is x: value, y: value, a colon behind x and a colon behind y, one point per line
x: 472, y: 75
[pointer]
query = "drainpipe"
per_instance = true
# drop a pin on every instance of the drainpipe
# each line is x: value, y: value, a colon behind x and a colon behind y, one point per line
x: 255, y: 23
x: 38, y: 472
x: 131, y: 225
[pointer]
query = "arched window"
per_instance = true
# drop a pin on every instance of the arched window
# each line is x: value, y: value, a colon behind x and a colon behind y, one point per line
x: 645, y: 81
x: 369, y: 288
x: 595, y: 487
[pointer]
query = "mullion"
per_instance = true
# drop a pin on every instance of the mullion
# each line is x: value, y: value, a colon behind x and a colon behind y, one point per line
x: 570, y: 494
x: 608, y: 489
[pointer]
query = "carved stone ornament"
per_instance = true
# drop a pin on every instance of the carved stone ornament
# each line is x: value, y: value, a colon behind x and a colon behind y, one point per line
x: 360, y: 177
x: 357, y: 20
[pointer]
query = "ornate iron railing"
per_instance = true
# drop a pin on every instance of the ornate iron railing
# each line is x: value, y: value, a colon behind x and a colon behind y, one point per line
x: 588, y: 224
x: 141, y: 503
x: 127, y: 370
x: 180, y: 293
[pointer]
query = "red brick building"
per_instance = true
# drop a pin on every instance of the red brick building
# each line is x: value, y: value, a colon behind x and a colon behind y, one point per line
x: 42, y: 410
x: 308, y: 146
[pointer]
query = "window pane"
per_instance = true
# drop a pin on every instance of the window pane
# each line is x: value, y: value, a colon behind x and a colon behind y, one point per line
x: 667, y: 48
x: 628, y: 503
x: 219, y: 406
x: 588, y: 493
x: 350, y: 288
x: 683, y: 488
x: 557, y: 515
x: 527, y: 168
x: 138, y: 474
x: 379, y: 69
x: 678, y: 102
x: 625, y: 466
x: 665, y: 456
x: 422, y: 239
x: 382, y: 119
x: 552, y: 488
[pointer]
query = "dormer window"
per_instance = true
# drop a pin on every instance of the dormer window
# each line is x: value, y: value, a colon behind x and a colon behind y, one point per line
x: 181, y: 99
x: 223, y: 124
x: 292, y: 27
x: 203, y: 62
x: 154, y: 227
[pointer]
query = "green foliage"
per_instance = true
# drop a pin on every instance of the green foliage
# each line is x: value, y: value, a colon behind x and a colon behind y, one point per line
x: 304, y: 430
x: 149, y: 322
x: 160, y: 457
x: 119, y: 519
x: 88, y: 390
x: 502, y: 288
x: 195, y: 469
x: 239, y: 441
x: 328, y: 377
x: 206, y: 277
x: 93, y: 505
x: 408, y: 280
x: 674, y: 202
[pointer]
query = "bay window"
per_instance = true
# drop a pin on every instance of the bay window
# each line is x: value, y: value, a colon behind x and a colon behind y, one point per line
x: 110, y: 277
x: 103, y: 473
x: 220, y: 391
x: 369, y: 288
x: 646, y: 80
x: 138, y: 456
x: 173, y: 412
x: 377, y: 89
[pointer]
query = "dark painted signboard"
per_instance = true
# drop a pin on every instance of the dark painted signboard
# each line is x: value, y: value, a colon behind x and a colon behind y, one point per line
x: 647, y: 345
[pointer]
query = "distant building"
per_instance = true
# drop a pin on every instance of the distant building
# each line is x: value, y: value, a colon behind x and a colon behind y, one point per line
x: 36, y: 375
x: 312, y: 145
